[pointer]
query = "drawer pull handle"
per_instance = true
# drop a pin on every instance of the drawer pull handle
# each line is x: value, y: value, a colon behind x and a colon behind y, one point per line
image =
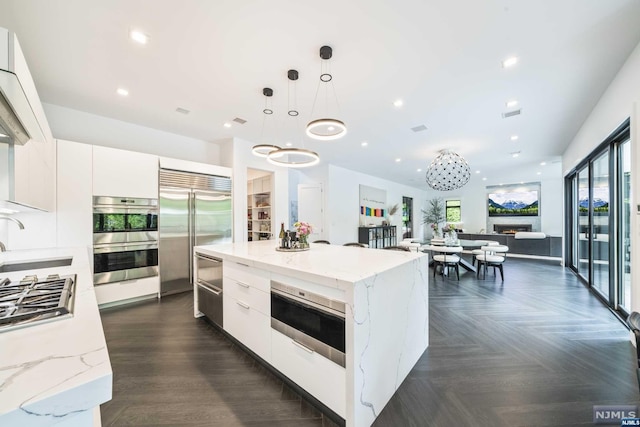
x: 243, y: 305
x: 244, y: 285
x: 244, y: 265
x: 304, y: 347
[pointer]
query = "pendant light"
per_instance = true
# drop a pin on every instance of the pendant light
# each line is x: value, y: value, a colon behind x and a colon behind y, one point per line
x: 448, y: 171
x: 263, y: 150
x: 293, y: 157
x: 325, y: 129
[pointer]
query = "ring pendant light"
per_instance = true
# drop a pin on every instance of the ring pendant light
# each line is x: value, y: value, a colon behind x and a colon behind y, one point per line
x: 325, y: 129
x: 293, y: 157
x: 263, y: 150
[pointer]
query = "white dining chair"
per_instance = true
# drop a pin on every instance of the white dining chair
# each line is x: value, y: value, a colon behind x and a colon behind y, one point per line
x: 492, y: 256
x: 446, y: 257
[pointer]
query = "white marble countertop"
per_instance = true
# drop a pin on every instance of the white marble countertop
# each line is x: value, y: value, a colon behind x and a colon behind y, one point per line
x: 325, y: 264
x: 51, y: 372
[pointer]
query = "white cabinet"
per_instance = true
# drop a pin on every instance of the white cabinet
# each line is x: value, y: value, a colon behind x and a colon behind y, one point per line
x: 35, y: 174
x: 129, y: 290
x: 74, y: 192
x: 124, y: 173
x: 247, y: 307
x: 323, y: 379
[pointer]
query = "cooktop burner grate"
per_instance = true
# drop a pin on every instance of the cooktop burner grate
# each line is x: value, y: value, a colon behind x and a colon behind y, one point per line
x: 35, y: 299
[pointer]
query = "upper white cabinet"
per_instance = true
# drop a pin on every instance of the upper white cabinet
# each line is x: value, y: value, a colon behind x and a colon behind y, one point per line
x: 35, y: 175
x: 124, y: 173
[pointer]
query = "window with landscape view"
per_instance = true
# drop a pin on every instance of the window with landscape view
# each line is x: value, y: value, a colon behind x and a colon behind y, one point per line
x: 453, y: 212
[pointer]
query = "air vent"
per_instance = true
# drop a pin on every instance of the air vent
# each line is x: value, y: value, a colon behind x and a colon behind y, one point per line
x: 512, y: 113
x: 182, y: 110
x: 419, y: 128
x: 239, y: 120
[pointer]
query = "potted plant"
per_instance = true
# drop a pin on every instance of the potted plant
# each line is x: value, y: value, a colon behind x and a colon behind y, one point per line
x: 434, y: 215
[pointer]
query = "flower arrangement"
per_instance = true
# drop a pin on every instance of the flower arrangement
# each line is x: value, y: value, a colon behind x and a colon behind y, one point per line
x: 303, y: 229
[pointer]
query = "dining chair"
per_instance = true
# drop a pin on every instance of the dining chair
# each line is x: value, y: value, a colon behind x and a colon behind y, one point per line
x: 325, y: 242
x: 476, y: 252
x: 446, y: 257
x: 397, y: 248
x: 360, y: 245
x: 492, y: 256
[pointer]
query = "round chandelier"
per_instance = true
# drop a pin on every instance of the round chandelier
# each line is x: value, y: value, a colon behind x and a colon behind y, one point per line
x: 448, y: 171
x: 262, y: 150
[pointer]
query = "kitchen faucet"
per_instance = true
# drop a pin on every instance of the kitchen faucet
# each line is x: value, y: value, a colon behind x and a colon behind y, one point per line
x: 8, y: 218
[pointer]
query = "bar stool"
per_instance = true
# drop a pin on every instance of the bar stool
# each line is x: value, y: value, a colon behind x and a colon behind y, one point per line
x: 492, y: 256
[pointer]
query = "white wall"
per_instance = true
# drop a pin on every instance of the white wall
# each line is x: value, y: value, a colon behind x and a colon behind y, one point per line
x: 79, y: 126
x: 243, y: 159
x: 342, y: 200
x: 619, y: 102
x: 473, y: 199
x: 614, y: 107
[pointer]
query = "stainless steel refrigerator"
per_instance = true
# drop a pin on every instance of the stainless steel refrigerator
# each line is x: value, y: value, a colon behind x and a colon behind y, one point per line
x: 195, y: 209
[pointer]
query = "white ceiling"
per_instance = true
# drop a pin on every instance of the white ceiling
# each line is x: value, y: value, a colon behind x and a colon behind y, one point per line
x: 442, y: 58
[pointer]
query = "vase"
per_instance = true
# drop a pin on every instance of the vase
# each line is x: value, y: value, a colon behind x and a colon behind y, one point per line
x: 304, y: 243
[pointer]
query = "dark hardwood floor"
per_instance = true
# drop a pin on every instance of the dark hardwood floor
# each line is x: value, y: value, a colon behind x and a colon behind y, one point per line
x: 538, y: 350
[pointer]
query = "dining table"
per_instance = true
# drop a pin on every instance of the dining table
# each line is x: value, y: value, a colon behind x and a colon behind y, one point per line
x: 466, y: 245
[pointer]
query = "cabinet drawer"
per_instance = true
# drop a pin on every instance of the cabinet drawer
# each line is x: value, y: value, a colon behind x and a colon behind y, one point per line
x: 319, y: 376
x: 121, y: 291
x: 243, y: 292
x: 248, y: 326
x: 248, y: 275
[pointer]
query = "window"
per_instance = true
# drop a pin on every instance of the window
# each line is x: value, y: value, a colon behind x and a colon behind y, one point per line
x: 452, y: 209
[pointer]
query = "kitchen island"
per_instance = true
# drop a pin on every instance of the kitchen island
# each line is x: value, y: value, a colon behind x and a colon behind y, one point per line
x: 58, y: 372
x: 386, y: 329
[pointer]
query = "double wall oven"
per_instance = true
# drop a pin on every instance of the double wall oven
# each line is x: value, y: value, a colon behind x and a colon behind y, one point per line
x: 125, y: 238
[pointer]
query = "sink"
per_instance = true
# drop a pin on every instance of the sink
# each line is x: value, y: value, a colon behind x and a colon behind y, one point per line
x: 34, y: 264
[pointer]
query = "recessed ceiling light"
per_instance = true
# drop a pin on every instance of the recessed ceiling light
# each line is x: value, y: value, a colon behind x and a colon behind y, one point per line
x: 364, y: 143
x: 510, y: 62
x: 539, y: 173
x: 514, y: 137
x: 511, y: 104
x: 288, y: 144
x: 477, y: 171
x: 515, y: 154
x: 398, y: 103
x: 419, y: 170
x: 139, y: 37
x: 398, y: 160
x: 543, y: 163
x: 227, y: 125
x: 484, y: 178
x: 122, y: 91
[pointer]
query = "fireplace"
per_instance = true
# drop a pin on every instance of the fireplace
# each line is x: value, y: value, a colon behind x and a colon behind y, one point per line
x: 511, y: 228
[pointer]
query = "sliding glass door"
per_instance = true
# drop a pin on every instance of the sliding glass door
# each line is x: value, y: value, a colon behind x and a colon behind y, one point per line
x: 598, y: 224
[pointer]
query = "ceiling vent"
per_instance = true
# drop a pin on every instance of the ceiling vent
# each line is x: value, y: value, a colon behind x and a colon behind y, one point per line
x: 419, y: 128
x: 182, y: 110
x: 239, y: 120
x: 512, y: 113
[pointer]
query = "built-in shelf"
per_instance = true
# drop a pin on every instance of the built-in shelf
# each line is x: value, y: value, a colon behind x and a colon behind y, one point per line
x: 259, y: 217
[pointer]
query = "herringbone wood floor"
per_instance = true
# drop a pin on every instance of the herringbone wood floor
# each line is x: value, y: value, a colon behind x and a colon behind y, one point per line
x: 538, y: 350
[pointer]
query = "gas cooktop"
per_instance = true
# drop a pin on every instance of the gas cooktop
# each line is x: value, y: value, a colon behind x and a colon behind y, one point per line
x: 33, y: 300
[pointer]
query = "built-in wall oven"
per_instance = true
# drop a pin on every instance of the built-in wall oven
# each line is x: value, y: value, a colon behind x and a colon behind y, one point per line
x: 314, y: 322
x: 125, y: 238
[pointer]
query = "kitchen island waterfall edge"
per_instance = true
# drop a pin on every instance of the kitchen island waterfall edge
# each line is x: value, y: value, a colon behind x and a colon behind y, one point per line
x: 386, y: 329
